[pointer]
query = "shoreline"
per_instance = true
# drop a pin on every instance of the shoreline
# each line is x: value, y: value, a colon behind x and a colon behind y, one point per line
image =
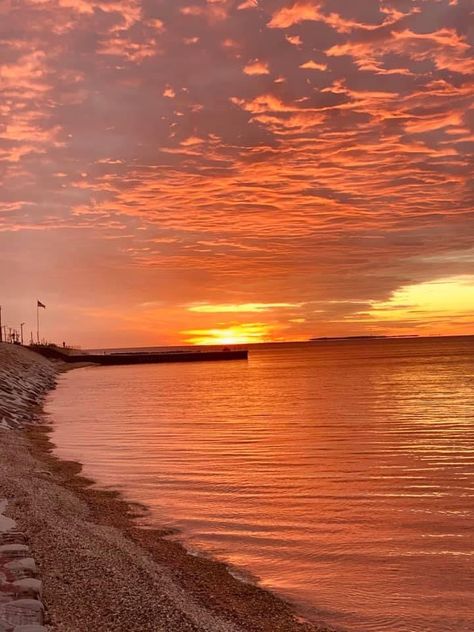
x: 101, y: 570
x: 204, y: 577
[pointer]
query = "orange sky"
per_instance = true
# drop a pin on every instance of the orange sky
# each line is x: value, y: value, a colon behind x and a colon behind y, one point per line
x: 236, y: 170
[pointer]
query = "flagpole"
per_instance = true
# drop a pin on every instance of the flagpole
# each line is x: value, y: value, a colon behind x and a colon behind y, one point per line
x: 37, y: 322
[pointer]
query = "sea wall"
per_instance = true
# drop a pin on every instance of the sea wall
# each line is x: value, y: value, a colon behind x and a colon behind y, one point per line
x: 25, y: 378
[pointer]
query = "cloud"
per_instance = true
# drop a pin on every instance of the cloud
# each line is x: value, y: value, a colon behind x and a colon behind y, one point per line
x: 213, y: 12
x: 257, y: 68
x: 419, y: 305
x: 304, y: 11
x: 231, y: 335
x: 444, y: 49
x: 313, y: 65
x: 294, y: 14
x: 206, y: 308
x: 306, y: 160
x: 248, y: 4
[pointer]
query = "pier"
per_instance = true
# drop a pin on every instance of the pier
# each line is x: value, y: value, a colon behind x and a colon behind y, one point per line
x: 138, y: 357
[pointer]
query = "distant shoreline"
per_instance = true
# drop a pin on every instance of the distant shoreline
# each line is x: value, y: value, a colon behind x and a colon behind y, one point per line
x: 251, y: 345
x: 365, y: 337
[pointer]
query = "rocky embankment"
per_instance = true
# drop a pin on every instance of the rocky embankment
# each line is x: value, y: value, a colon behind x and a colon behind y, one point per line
x: 25, y: 377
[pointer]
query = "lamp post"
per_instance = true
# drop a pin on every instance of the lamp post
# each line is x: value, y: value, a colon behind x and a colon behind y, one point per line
x: 21, y: 332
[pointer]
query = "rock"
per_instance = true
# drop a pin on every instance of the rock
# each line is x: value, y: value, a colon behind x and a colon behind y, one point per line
x: 7, y: 594
x: 23, y: 612
x: 6, y: 524
x: 29, y: 586
x: 44, y: 473
x: 12, y: 537
x: 24, y: 379
x: 24, y: 564
x: 14, y: 550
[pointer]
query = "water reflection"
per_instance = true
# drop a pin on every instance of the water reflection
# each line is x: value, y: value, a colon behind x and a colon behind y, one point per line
x: 340, y: 474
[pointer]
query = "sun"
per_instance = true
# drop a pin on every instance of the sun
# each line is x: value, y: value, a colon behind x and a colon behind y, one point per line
x: 233, y: 335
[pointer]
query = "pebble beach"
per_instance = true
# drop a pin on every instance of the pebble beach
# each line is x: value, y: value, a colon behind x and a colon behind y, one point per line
x: 74, y: 558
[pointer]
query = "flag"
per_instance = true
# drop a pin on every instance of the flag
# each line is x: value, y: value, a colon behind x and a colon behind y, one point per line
x: 40, y: 304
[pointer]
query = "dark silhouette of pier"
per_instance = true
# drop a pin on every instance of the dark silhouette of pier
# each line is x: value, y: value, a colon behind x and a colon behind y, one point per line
x: 138, y: 357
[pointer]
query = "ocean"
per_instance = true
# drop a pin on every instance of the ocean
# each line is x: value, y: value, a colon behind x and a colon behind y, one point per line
x: 338, y: 474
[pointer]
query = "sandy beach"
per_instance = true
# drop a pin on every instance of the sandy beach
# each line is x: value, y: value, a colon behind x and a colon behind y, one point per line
x: 99, y: 570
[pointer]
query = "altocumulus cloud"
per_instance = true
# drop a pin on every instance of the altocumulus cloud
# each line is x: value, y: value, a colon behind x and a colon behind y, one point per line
x: 241, y: 153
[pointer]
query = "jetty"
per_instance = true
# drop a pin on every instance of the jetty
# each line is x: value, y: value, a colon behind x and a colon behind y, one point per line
x: 138, y: 357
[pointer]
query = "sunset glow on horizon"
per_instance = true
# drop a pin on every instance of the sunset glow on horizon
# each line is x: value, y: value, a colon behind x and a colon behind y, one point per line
x: 234, y: 335
x: 231, y: 171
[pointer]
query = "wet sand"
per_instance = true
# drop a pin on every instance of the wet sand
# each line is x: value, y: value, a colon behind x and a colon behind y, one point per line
x: 101, y: 571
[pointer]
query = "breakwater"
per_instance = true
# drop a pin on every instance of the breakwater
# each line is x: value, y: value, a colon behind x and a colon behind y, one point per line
x: 25, y: 378
x: 135, y: 357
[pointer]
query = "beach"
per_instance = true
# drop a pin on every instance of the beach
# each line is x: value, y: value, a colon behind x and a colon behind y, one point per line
x: 98, y: 569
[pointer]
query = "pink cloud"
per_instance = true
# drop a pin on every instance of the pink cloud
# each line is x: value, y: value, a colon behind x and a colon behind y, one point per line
x: 313, y: 65
x: 186, y: 146
x: 294, y: 14
x: 257, y: 68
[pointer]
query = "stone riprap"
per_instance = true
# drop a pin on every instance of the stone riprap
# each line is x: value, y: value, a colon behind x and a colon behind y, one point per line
x: 25, y: 377
x: 21, y: 609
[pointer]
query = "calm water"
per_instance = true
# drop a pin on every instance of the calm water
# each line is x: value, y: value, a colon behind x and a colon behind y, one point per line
x: 341, y: 475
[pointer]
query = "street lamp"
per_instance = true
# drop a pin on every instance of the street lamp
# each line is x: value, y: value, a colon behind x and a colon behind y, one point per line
x: 21, y: 330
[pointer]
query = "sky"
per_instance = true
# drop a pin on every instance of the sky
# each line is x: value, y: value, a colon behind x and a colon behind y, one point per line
x: 236, y: 170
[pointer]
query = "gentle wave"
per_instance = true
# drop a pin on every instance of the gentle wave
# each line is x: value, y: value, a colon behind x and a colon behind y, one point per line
x: 339, y: 474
